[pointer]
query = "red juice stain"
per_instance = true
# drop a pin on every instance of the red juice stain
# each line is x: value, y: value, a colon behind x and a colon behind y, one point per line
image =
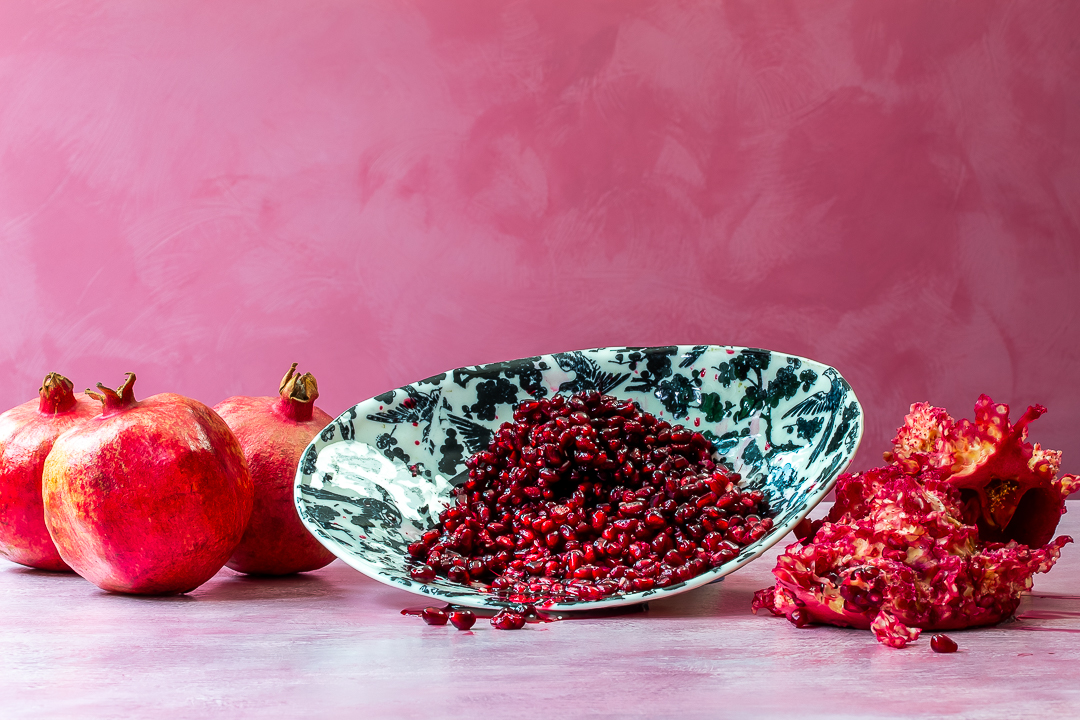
x: 1049, y: 615
x: 1048, y: 606
x: 1035, y: 628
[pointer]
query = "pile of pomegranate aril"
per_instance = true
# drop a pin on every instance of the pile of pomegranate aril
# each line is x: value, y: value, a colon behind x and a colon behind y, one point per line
x: 586, y: 496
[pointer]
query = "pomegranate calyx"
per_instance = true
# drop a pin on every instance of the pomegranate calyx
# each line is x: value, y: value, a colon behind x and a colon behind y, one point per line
x: 56, y: 395
x: 114, y: 401
x: 298, y: 395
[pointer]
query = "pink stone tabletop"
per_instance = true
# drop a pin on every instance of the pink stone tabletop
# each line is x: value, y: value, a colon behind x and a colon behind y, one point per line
x: 333, y: 644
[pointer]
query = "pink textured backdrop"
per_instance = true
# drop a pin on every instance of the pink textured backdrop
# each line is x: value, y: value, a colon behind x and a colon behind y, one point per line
x: 203, y: 192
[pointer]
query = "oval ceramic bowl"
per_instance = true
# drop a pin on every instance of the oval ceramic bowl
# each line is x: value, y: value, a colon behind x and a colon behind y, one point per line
x: 380, y: 474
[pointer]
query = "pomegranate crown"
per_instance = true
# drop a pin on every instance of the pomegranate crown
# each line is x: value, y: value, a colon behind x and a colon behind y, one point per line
x: 298, y: 394
x: 56, y: 394
x: 302, y: 388
x: 115, y: 400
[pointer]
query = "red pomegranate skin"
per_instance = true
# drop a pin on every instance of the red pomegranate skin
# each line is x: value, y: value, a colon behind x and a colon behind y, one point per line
x: 27, y: 434
x: 274, y: 432
x: 149, y: 497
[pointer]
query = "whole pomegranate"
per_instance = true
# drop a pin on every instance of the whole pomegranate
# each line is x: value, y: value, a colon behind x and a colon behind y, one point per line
x: 273, y: 432
x: 27, y: 433
x: 149, y: 497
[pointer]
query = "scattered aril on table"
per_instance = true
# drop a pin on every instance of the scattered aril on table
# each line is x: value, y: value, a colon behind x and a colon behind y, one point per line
x: 943, y: 644
x: 462, y: 619
x: 433, y: 616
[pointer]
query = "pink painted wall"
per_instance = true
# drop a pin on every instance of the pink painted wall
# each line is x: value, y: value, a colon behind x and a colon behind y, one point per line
x: 203, y: 192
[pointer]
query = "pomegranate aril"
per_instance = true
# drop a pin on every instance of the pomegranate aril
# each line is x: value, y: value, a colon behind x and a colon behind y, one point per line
x: 462, y: 619
x: 674, y: 558
x: 598, y: 519
x: 643, y: 489
x: 705, y: 500
x: 721, y: 557
x: 508, y: 620
x: 423, y: 573
x: 586, y: 592
x: 433, y: 616
x: 713, y: 540
x: 943, y: 644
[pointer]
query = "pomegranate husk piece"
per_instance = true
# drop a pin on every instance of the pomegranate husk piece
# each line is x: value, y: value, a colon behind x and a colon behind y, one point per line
x: 273, y: 433
x: 148, y: 497
x: 27, y: 434
x: 894, y: 557
x: 932, y: 541
x: 1009, y: 487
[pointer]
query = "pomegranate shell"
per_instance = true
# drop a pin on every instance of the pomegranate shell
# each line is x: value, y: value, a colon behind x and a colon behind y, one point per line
x: 947, y: 536
x: 149, y: 497
x: 1009, y: 487
x: 273, y: 433
x: 27, y: 434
